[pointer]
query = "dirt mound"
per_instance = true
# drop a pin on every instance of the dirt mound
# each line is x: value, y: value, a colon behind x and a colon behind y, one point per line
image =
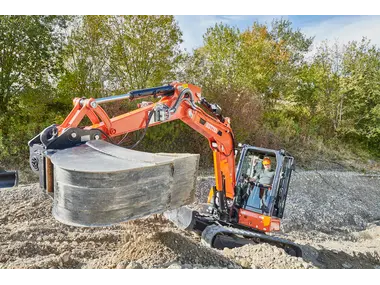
x: 31, y: 238
x: 155, y: 243
x: 265, y: 256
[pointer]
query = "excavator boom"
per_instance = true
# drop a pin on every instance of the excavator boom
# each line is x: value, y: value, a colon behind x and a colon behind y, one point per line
x: 96, y: 183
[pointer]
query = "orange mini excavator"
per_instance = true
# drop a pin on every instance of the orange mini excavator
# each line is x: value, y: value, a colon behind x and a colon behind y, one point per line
x: 95, y: 182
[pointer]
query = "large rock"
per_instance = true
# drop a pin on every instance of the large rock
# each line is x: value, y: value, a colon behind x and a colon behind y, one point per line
x: 99, y: 184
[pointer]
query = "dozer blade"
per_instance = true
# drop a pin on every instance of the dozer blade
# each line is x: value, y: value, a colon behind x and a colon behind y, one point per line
x: 8, y: 179
x: 100, y: 184
x: 191, y: 219
x: 182, y: 217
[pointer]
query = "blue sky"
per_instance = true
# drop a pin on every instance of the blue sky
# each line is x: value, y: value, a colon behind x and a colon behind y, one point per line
x: 341, y: 29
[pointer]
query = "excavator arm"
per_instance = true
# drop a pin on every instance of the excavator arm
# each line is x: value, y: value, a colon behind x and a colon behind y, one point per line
x: 178, y: 102
x: 63, y: 154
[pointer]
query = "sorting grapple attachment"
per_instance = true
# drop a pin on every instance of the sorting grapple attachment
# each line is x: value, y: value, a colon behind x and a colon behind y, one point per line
x: 100, y: 184
x: 8, y: 179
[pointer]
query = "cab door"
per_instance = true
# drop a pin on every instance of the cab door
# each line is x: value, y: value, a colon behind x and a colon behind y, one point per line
x: 282, y: 193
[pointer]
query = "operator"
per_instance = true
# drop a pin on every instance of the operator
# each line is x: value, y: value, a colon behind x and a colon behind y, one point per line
x: 265, y: 180
x: 265, y: 177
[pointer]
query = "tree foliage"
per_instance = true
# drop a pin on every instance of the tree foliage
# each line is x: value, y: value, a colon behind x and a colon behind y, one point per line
x: 145, y: 50
x: 30, y: 63
x: 277, y: 91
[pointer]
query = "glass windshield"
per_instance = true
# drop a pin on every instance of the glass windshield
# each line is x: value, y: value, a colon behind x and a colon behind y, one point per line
x: 256, y: 178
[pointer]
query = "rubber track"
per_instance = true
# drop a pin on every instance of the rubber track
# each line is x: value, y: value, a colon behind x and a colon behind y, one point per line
x: 210, y: 232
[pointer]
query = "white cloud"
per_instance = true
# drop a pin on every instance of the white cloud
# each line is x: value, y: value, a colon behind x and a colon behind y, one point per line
x: 236, y: 17
x: 343, y: 29
x: 193, y: 28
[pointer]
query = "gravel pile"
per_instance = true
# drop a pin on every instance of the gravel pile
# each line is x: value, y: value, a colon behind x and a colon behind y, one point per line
x: 330, y: 202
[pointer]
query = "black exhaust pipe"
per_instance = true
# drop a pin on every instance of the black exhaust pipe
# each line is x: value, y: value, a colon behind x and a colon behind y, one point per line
x: 8, y: 179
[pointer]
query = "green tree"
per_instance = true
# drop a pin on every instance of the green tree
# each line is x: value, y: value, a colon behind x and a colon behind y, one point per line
x: 29, y: 54
x: 220, y: 51
x: 295, y: 45
x: 30, y: 62
x: 361, y: 77
x: 295, y: 41
x: 319, y: 90
x: 145, y: 50
x: 86, y: 58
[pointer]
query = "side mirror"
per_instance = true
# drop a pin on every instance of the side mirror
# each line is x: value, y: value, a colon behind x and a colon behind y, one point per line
x: 293, y: 166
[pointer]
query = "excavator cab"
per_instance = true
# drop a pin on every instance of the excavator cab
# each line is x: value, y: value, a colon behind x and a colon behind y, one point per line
x: 261, y: 191
x: 257, y: 207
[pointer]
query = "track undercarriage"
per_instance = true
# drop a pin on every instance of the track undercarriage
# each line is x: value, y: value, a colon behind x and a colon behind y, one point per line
x: 220, y: 234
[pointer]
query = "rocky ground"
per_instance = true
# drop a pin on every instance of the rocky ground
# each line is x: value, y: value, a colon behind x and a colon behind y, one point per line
x: 332, y: 215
